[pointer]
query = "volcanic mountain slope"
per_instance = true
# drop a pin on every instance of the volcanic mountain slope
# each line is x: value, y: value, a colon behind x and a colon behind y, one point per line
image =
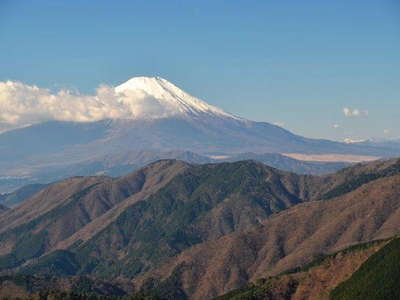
x: 162, y: 118
x: 211, y: 227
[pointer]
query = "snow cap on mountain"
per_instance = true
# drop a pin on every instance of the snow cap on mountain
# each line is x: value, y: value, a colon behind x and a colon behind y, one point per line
x: 157, y: 97
x: 144, y: 98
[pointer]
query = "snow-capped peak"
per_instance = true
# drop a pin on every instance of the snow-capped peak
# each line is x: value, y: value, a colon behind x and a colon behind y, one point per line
x: 165, y: 99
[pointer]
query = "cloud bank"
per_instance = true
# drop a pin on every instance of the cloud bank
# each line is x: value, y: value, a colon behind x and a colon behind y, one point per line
x: 22, y: 105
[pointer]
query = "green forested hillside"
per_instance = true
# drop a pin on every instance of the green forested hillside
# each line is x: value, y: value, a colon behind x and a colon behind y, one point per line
x: 314, y: 280
x: 377, y: 279
x: 202, y: 203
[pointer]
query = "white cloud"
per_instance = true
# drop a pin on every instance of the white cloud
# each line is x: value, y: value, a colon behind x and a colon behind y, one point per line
x: 348, y: 112
x: 336, y: 126
x: 22, y: 105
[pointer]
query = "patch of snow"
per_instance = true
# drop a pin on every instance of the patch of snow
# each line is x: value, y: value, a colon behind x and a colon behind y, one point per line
x: 354, y: 141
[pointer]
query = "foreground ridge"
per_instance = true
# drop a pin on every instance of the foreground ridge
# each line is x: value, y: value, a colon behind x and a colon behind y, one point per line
x: 197, y: 231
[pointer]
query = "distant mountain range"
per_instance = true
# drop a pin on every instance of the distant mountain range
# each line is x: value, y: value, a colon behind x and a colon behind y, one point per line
x: 200, y: 231
x: 21, y: 194
x: 164, y: 119
x: 393, y: 144
x: 119, y: 164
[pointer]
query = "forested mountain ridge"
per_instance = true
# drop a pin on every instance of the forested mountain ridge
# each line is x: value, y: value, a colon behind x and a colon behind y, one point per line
x: 212, y: 227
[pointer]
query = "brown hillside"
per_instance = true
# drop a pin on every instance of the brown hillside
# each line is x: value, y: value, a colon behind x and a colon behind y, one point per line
x: 216, y: 225
x: 314, y: 281
x: 289, y: 239
x: 60, y: 210
x: 201, y: 203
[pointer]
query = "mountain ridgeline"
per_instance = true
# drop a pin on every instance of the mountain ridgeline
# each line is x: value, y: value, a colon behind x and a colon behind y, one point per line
x: 163, y: 118
x: 120, y: 164
x: 194, y: 231
x: 158, y: 203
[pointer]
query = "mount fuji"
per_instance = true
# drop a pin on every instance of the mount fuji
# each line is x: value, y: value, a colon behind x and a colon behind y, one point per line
x: 167, y: 100
x: 160, y: 117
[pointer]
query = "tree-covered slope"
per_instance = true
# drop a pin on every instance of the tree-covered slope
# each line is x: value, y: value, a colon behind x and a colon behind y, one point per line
x: 377, y: 279
x: 206, y: 229
x: 36, y: 227
x: 202, y: 203
x: 313, y: 281
x: 288, y: 239
x: 56, y: 288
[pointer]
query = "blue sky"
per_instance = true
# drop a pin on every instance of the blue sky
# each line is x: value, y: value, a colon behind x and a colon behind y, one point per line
x: 299, y: 63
